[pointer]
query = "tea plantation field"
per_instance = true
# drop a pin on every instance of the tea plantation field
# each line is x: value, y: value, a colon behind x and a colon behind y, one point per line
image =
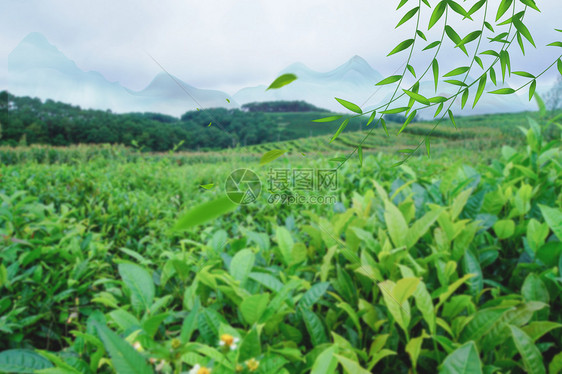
x: 451, y: 264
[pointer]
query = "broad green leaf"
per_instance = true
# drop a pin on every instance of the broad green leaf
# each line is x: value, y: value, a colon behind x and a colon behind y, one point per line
x: 555, y: 44
x: 314, y: 294
x: 272, y: 155
x: 421, y: 227
x: 253, y: 307
x: 395, y: 223
x: 481, y: 323
x: 140, y: 284
x: 463, y: 360
x: 125, y: 359
x: 350, y: 366
x: 452, y: 288
x: 241, y: 265
x: 532, y: 89
x: 285, y: 242
x: 205, y: 212
x: 326, y: 362
x: 413, y: 348
x: 350, y: 106
x: 535, y: 330
x: 22, y: 361
x: 281, y: 81
x: 327, y: 119
x: 189, y: 324
x: 404, y: 288
x: 555, y: 366
x: 314, y: 327
x: 207, y: 186
x: 407, y: 16
x: 424, y: 302
x: 402, y: 46
x: 250, y: 346
x: 340, y: 129
x: 534, y: 289
x: 553, y: 217
x: 531, y: 356
x: 472, y: 266
x: 267, y: 280
x: 400, y: 312
x: 504, y: 228
x: 389, y: 80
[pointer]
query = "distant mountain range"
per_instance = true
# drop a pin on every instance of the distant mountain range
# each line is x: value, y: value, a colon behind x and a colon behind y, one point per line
x: 39, y: 69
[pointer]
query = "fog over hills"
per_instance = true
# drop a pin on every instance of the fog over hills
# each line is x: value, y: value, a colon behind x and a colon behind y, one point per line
x: 37, y: 68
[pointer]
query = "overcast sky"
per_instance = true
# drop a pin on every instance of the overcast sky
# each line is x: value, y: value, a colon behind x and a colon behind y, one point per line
x: 231, y: 44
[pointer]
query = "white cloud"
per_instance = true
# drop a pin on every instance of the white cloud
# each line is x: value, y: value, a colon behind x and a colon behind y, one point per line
x: 227, y: 44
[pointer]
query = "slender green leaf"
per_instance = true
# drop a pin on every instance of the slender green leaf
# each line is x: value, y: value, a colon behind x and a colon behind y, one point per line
x: 417, y: 97
x: 327, y: 119
x: 281, y: 81
x: 350, y: 106
x: 340, y: 129
x: 502, y: 8
x: 432, y: 45
x: 524, y: 31
x: 457, y: 71
x: 407, y: 16
x: 437, y: 13
x: 389, y: 80
x: 503, y: 91
x: 481, y: 87
x: 402, y: 46
x: 435, y: 67
x: 205, y: 212
x: 272, y: 155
